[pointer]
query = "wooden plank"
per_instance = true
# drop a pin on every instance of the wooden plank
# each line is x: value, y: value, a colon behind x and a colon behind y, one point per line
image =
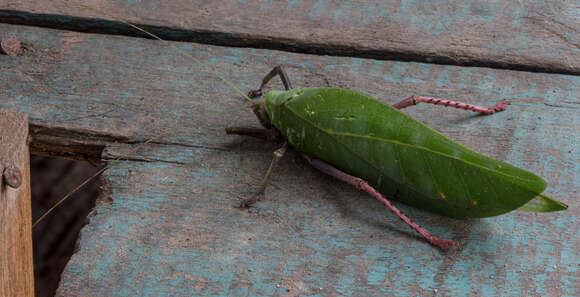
x: 168, y: 223
x: 16, y: 271
x: 504, y: 34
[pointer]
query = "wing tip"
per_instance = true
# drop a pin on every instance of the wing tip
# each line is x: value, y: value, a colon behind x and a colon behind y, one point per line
x: 543, y: 203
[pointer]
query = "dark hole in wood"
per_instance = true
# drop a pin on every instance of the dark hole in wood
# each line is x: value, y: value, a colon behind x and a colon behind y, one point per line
x: 55, y: 237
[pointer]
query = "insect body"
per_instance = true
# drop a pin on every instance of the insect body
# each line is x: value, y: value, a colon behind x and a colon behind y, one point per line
x: 373, y: 146
x: 398, y: 155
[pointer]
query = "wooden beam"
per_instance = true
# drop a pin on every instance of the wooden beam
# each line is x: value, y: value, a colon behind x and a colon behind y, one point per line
x: 16, y: 271
x: 520, y: 35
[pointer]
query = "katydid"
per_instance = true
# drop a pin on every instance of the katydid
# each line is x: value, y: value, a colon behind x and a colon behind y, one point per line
x: 377, y: 148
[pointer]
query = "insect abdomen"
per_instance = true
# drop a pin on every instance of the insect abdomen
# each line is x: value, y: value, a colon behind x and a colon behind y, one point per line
x: 400, y: 156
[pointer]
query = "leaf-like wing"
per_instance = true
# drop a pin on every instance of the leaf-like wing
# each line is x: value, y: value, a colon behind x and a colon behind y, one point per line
x: 402, y: 157
x: 542, y: 203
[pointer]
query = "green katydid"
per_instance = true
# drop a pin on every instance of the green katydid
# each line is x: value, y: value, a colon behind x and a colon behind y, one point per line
x: 377, y: 148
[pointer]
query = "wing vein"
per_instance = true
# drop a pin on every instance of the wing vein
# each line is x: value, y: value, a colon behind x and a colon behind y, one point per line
x: 430, y: 170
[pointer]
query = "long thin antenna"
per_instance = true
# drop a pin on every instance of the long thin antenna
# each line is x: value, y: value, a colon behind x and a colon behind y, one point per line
x: 199, y: 63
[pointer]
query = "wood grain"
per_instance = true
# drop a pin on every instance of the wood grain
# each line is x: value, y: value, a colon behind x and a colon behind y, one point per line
x: 168, y: 224
x: 16, y: 270
x: 504, y: 34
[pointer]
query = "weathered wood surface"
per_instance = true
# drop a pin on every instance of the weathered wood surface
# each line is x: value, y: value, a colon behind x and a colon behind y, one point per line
x: 16, y: 271
x: 505, y: 34
x: 168, y: 224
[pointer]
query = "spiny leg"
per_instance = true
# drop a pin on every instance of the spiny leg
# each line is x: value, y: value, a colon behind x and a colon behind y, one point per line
x: 278, y: 154
x: 275, y: 71
x: 414, y: 100
x: 363, y: 185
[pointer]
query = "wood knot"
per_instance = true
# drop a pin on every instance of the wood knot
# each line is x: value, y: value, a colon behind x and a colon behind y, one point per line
x: 12, y: 176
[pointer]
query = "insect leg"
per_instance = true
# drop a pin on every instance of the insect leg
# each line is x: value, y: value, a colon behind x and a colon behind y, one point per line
x: 363, y: 185
x: 275, y: 71
x: 278, y: 154
x: 267, y: 134
x: 414, y: 100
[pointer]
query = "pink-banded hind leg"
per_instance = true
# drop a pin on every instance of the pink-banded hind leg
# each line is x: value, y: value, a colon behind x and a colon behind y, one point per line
x: 414, y: 100
x: 363, y: 185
